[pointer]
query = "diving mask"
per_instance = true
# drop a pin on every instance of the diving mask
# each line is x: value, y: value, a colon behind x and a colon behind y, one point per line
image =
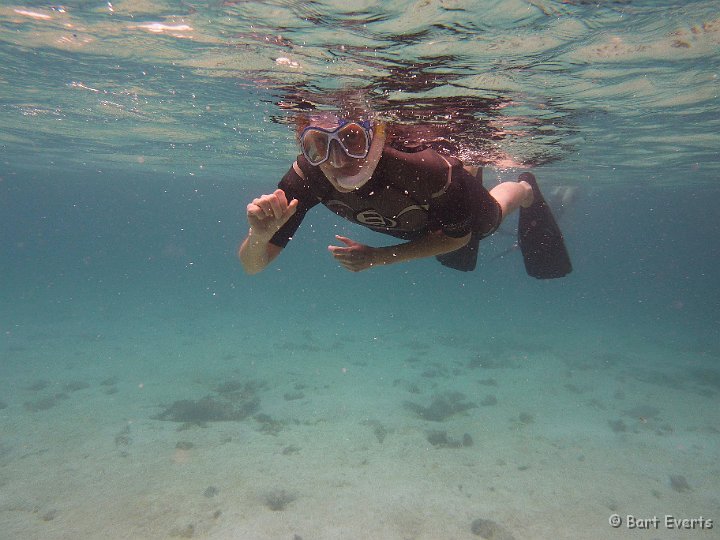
x: 354, y: 139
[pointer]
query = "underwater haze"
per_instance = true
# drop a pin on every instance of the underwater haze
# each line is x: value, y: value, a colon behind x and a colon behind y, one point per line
x: 149, y: 388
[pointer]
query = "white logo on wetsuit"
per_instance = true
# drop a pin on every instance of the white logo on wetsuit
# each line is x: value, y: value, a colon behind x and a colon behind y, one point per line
x: 372, y: 218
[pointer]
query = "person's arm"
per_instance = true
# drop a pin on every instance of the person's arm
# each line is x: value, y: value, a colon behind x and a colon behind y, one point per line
x: 266, y: 215
x: 256, y: 253
x: 356, y: 257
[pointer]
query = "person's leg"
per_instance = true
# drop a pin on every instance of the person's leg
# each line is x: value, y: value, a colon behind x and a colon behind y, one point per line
x: 561, y: 199
x: 512, y: 195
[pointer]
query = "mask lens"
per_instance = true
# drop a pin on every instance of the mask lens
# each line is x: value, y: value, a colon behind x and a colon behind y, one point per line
x: 354, y: 140
x: 315, y: 145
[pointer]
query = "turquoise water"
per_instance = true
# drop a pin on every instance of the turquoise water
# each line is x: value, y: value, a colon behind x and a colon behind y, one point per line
x: 403, y: 402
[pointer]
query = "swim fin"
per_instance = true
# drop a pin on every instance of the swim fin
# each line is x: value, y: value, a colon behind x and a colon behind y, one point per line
x: 541, y: 241
x: 463, y: 259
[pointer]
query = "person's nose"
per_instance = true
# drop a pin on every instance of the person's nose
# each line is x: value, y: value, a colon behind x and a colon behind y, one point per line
x: 337, y: 157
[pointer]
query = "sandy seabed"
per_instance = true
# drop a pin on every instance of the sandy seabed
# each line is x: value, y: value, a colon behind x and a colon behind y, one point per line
x: 371, y: 437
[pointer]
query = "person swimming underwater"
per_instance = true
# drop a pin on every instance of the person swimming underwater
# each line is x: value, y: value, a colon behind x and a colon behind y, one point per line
x: 426, y: 199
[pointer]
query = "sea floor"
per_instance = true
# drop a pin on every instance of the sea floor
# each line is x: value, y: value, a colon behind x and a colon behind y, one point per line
x: 123, y: 429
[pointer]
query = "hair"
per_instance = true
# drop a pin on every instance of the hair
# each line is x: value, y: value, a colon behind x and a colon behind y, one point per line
x: 349, y: 104
x: 405, y: 137
x: 470, y: 129
x: 353, y: 104
x: 303, y: 121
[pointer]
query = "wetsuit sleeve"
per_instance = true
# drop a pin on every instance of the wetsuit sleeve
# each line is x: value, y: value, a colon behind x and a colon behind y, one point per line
x: 295, y: 187
x: 451, y: 209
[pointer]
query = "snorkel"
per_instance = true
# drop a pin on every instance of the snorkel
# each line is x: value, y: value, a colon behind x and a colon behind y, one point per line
x: 351, y: 183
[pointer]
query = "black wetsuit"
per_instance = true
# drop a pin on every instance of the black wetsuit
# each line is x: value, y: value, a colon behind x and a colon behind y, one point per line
x: 409, y: 195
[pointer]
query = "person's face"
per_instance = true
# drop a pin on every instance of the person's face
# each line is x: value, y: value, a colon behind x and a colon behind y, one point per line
x: 339, y: 164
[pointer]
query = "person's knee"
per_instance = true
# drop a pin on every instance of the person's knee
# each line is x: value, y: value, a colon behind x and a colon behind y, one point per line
x: 511, y: 195
x: 528, y: 196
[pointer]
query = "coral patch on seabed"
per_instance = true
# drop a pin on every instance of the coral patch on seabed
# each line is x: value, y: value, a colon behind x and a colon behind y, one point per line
x: 278, y: 499
x: 441, y: 407
x: 679, y: 483
x: 440, y: 439
x: 235, y: 402
x: 488, y: 529
x: 208, y: 409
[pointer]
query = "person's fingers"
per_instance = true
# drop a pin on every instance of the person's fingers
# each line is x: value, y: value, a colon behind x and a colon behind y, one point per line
x: 271, y: 210
x: 343, y: 261
x: 290, y: 209
x: 280, y: 195
x: 266, y: 204
x: 277, y: 208
x: 254, y: 210
x: 348, y: 258
x: 340, y: 249
x: 345, y: 240
x: 293, y: 205
x: 277, y: 203
x: 345, y: 257
x: 259, y: 204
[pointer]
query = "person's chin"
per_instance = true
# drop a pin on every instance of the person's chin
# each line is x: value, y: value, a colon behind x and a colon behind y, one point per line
x: 337, y: 175
x: 341, y: 186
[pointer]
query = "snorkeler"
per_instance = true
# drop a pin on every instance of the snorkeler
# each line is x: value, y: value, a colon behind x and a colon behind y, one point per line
x: 428, y: 200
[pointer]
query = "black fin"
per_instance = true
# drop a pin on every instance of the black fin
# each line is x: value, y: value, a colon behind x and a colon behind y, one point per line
x: 463, y: 259
x: 540, y: 238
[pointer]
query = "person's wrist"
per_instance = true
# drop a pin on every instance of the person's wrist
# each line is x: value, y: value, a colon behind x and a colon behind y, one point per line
x: 381, y: 256
x: 257, y: 237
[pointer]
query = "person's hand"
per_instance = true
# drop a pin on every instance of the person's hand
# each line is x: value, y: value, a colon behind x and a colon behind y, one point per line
x: 268, y: 213
x: 354, y: 256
